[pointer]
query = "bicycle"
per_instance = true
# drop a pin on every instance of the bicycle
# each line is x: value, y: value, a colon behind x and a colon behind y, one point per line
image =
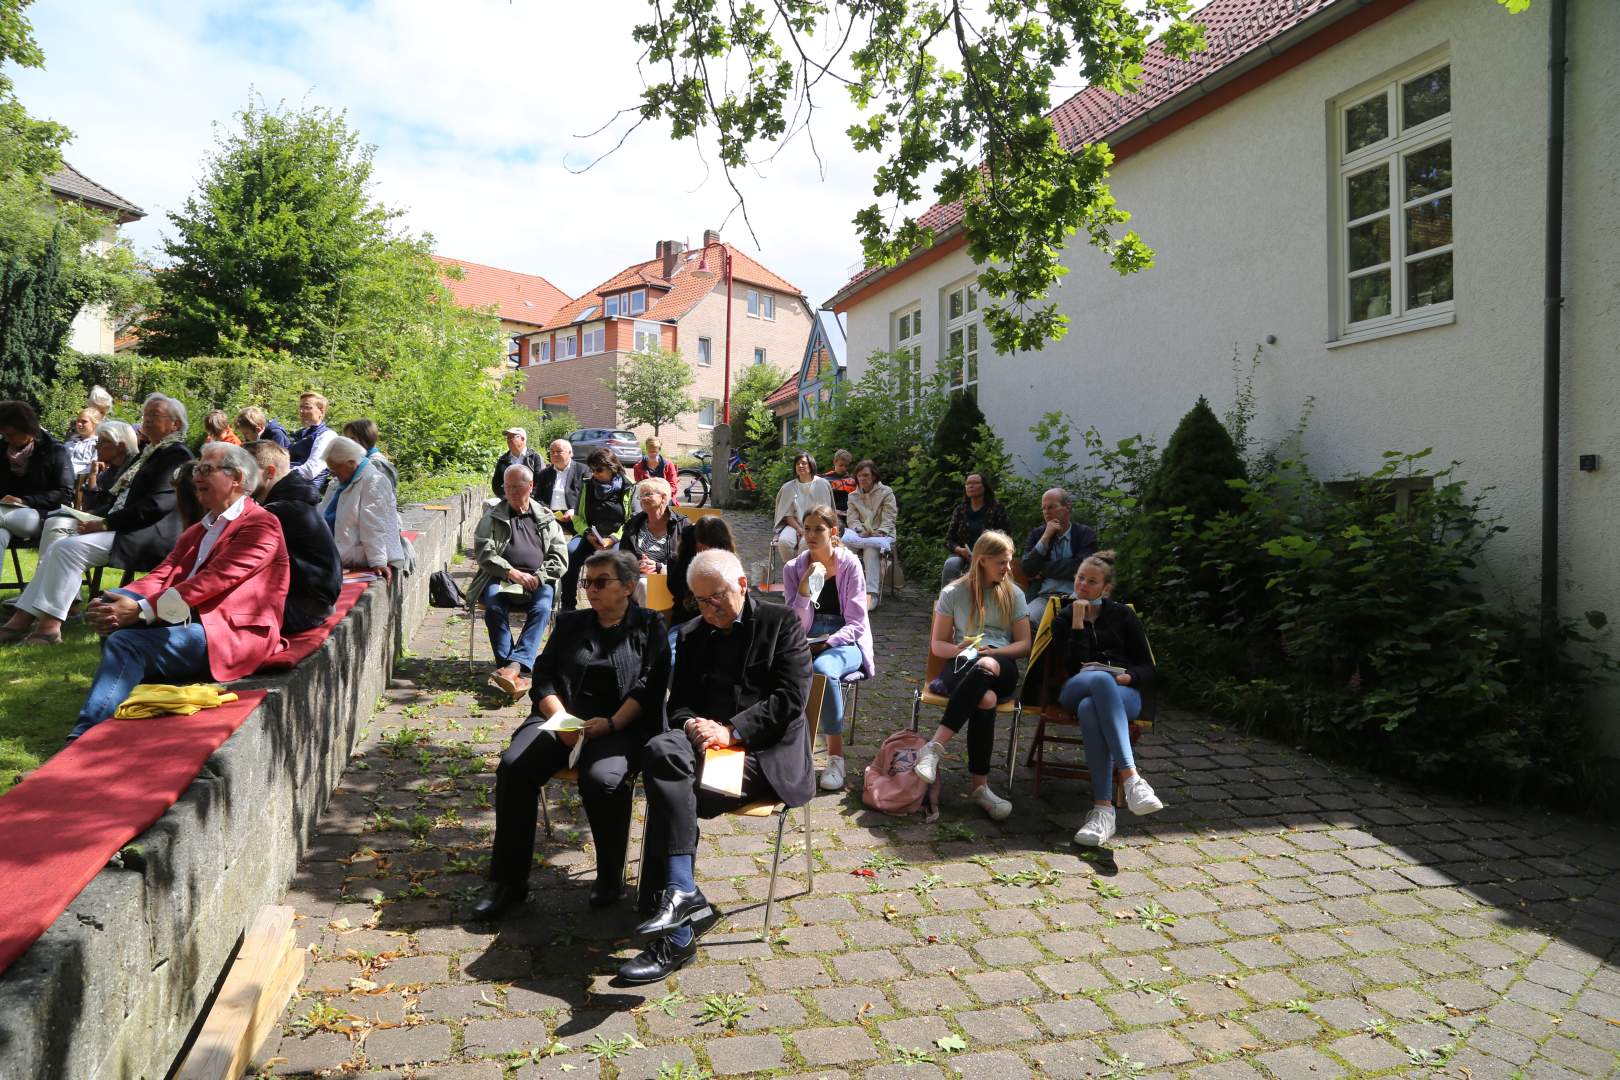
x: 692, y: 485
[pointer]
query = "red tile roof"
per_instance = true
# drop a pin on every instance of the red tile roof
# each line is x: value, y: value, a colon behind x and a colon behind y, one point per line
x: 788, y: 391
x: 670, y: 298
x: 521, y: 298
x: 1232, y: 28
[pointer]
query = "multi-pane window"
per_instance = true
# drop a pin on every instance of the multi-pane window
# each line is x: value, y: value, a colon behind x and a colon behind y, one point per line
x: 706, y: 412
x: 566, y: 345
x: 646, y: 337
x: 594, y: 340
x: 908, y: 340
x: 1395, y: 199
x: 637, y: 301
x: 962, y: 337
x: 761, y: 305
x: 610, y: 306
x: 538, y: 351
x: 705, y: 352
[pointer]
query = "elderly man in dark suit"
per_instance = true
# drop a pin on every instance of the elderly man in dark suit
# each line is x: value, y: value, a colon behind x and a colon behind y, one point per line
x: 741, y: 678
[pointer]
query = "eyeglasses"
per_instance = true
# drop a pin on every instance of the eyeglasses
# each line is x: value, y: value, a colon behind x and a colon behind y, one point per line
x: 713, y: 600
x: 203, y: 468
x: 600, y: 582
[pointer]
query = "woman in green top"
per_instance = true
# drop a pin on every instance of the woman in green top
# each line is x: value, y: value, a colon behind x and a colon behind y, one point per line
x: 982, y: 603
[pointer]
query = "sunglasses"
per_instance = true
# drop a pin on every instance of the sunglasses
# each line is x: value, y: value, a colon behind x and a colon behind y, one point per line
x: 600, y: 582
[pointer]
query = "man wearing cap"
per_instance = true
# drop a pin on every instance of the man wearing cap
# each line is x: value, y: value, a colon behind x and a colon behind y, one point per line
x: 517, y: 453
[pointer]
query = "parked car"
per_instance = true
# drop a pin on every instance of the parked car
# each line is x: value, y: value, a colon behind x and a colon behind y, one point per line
x: 623, y: 443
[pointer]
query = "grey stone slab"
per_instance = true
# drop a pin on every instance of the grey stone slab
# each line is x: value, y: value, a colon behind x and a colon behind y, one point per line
x: 834, y: 1046
x: 744, y: 1054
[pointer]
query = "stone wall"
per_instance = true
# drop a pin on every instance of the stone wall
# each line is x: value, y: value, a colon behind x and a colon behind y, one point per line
x: 115, y: 986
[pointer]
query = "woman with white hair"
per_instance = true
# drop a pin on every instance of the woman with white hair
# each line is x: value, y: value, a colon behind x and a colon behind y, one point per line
x: 137, y: 532
x: 653, y: 534
x: 359, y: 508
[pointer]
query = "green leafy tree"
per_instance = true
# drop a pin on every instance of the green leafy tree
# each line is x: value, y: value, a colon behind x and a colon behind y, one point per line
x: 1194, y: 473
x: 653, y: 388
x: 35, y: 313
x: 266, y: 247
x: 946, y: 90
x: 753, y: 424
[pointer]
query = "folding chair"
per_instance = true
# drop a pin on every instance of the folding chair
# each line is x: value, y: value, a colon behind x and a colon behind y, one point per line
x: 921, y: 696
x: 1052, y: 715
x: 659, y: 598
x: 850, y: 687
x: 473, y: 604
x: 18, y: 582
x: 812, y: 716
x: 886, y: 586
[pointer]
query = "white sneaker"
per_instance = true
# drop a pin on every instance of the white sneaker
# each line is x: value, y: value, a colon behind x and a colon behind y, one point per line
x: 1140, y: 798
x: 832, y: 777
x: 927, y: 765
x: 1098, y: 829
x: 991, y: 803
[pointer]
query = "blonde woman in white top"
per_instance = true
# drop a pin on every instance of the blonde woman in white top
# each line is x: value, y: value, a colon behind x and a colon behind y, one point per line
x: 794, y: 500
x: 871, y: 526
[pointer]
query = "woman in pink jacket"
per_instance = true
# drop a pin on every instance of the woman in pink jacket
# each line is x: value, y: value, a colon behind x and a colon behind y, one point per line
x: 654, y: 463
x: 825, y: 585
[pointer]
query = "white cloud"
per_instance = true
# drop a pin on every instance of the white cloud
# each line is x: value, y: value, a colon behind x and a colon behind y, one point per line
x: 475, y: 108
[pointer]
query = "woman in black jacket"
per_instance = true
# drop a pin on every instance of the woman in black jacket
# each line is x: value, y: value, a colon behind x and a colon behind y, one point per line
x: 977, y: 513
x: 1101, y: 644
x: 37, y: 476
x: 653, y: 533
x: 607, y: 665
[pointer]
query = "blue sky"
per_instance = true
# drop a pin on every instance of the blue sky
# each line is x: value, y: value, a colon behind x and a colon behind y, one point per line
x: 476, y: 108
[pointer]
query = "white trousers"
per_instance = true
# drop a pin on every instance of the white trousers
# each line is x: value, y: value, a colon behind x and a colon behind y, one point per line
x: 61, y: 571
x: 787, y: 544
x: 17, y: 523
x: 871, y: 548
x: 53, y: 529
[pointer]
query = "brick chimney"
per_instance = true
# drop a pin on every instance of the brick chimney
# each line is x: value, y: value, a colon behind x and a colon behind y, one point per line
x: 711, y: 237
x: 670, y: 251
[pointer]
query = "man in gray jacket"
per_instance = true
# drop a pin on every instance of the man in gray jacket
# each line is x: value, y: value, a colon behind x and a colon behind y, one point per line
x: 522, y: 552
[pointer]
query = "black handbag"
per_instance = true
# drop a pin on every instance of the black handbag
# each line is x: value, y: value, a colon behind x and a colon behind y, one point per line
x: 444, y: 592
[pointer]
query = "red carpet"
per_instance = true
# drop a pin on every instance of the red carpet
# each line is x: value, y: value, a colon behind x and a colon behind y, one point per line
x: 64, y: 821
x: 300, y: 645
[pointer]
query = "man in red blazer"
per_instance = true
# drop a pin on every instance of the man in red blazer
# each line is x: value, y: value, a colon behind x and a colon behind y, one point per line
x: 211, y: 610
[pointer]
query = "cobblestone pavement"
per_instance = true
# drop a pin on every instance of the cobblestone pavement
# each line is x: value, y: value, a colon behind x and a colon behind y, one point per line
x: 1282, y: 918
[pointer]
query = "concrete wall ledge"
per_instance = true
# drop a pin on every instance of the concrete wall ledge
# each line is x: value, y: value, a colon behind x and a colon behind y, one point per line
x: 116, y: 984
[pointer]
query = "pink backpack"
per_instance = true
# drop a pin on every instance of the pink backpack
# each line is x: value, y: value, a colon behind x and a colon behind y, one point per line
x: 892, y: 785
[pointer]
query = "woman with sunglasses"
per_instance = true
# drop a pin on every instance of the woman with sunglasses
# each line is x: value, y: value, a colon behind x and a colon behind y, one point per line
x: 607, y: 665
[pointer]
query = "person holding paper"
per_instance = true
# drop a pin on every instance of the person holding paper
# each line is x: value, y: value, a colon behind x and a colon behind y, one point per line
x: 598, y: 696
x: 827, y: 590
x: 1102, y: 642
x: 981, y: 629
x: 211, y: 610
x: 741, y: 679
x: 521, y: 553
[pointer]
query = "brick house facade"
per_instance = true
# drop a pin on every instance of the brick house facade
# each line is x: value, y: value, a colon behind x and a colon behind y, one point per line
x: 678, y: 299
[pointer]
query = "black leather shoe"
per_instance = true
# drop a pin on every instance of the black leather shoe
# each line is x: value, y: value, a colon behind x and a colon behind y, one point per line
x: 677, y: 907
x: 659, y: 960
x: 501, y: 899
x: 606, y: 893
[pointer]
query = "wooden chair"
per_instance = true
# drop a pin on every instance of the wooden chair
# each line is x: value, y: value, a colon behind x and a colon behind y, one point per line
x: 1051, y: 715
x: 659, y: 598
x: 921, y: 696
x: 693, y: 513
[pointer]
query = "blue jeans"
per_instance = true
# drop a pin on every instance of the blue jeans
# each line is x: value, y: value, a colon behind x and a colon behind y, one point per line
x: 835, y: 663
x: 1105, y: 710
x: 498, y: 608
x: 137, y: 654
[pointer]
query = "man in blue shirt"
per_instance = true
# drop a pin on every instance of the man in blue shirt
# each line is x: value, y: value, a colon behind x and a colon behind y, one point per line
x: 1054, y: 552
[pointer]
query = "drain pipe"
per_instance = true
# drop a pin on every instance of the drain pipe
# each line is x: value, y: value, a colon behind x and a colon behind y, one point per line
x: 1557, y: 64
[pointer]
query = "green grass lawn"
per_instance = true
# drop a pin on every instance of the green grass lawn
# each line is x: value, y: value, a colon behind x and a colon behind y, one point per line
x: 41, y: 689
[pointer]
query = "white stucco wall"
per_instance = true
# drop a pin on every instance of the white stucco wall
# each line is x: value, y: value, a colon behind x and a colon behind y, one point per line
x: 1238, y: 208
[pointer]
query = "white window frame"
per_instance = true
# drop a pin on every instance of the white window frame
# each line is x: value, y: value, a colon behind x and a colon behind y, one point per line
x: 767, y: 306
x: 534, y: 351
x: 593, y: 340
x: 959, y: 308
x: 636, y: 300
x: 910, y: 342
x: 567, y: 346
x: 713, y: 408
x: 645, y: 330
x: 1392, y: 153
x: 705, y: 352
x: 751, y: 300
x: 610, y: 306
x: 759, y: 355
